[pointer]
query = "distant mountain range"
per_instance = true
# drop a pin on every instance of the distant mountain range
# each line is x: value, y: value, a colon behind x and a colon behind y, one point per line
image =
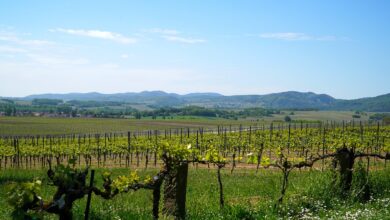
x: 283, y: 100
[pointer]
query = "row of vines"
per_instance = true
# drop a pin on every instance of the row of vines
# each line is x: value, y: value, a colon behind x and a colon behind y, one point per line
x: 284, y: 147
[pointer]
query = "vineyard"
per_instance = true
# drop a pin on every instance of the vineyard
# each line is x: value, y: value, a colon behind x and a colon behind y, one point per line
x: 347, y: 161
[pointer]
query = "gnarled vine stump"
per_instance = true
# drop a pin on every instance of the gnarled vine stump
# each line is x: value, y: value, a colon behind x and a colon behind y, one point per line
x: 175, y: 185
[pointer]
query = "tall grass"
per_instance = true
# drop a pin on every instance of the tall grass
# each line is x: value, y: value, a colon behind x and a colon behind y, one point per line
x: 248, y: 195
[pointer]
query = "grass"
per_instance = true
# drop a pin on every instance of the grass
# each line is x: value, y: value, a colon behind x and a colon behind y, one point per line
x: 41, y: 125
x: 323, y: 115
x: 248, y: 196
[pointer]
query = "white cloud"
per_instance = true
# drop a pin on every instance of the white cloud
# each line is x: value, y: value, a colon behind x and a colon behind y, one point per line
x: 13, y: 38
x: 186, y: 40
x: 174, y: 36
x: 112, y: 66
x: 329, y: 38
x: 106, y: 35
x: 10, y: 49
x: 50, y: 60
x: 163, y: 31
x: 124, y: 56
x: 295, y: 36
x: 40, y: 52
x: 285, y: 36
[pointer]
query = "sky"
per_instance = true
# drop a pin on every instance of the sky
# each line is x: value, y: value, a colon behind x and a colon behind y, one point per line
x: 337, y: 47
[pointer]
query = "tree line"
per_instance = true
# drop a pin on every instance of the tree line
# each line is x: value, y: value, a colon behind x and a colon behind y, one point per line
x: 108, y: 109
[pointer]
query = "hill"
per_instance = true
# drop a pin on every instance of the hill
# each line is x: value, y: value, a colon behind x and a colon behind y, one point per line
x: 283, y: 100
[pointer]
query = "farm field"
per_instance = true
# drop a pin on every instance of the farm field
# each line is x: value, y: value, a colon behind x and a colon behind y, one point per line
x: 326, y: 116
x: 331, y: 170
x: 42, y: 125
x: 38, y: 125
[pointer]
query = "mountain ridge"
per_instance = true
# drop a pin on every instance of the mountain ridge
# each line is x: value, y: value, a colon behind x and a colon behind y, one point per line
x: 281, y: 100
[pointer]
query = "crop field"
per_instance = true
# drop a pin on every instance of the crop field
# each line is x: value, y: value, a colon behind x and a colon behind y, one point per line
x: 38, y: 125
x: 46, y: 125
x: 280, y: 170
x: 327, y: 115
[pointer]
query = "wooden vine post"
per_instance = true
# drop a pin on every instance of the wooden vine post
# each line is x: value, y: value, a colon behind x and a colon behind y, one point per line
x: 175, y: 186
x: 87, y: 208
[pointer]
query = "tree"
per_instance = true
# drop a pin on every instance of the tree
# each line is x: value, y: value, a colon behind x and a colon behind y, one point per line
x: 74, y: 113
x: 138, y: 115
x: 287, y: 118
x: 386, y: 120
x: 8, y: 111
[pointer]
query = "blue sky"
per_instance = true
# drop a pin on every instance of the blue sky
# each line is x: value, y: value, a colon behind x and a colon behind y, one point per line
x: 341, y: 48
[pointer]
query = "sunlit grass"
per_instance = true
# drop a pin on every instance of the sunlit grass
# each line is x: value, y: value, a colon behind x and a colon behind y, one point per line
x: 248, y: 195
